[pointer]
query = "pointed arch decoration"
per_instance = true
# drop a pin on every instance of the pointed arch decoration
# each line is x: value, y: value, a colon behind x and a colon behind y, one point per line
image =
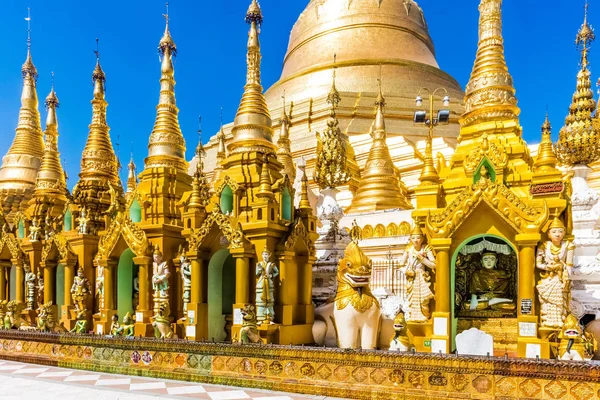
x: 495, y: 155
x: 122, y: 226
x: 58, y: 244
x: 9, y: 241
x: 227, y: 181
x: 297, y: 232
x: 232, y: 232
x: 523, y: 218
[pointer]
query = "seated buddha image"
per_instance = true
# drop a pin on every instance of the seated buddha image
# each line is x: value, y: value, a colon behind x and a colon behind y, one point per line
x: 489, y: 286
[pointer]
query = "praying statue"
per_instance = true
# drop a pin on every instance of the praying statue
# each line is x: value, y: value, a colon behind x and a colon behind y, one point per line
x: 266, y: 272
x: 160, y: 278
x: 415, y: 261
x: 186, y: 277
x: 489, y: 287
x: 80, y: 290
x: 29, y: 287
x: 555, y: 260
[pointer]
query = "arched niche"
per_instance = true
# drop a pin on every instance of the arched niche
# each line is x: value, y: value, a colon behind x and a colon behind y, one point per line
x: 125, y: 275
x: 226, y: 200
x: 286, y: 205
x: 68, y: 221
x: 135, y: 211
x: 21, y: 229
x: 221, y: 293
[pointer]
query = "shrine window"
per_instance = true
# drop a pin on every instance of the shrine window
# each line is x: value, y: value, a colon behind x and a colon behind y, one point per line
x: 21, y: 229
x: 135, y: 211
x: 226, y: 202
x: 286, y: 205
x: 68, y: 221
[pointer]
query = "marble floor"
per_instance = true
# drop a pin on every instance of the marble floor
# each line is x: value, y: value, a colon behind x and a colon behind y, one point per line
x: 20, y: 381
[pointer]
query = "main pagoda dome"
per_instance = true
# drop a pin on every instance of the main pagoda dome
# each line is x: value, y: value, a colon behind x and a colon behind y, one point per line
x: 364, y: 34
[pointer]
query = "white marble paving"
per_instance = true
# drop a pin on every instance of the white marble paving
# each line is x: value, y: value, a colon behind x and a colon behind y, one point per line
x: 186, y: 390
x: 113, y: 382
x: 229, y: 395
x: 147, y: 386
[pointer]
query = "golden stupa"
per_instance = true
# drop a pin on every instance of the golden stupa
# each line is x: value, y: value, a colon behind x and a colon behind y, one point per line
x: 369, y: 39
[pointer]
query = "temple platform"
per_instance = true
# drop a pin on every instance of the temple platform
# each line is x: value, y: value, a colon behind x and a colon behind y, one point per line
x: 314, y: 371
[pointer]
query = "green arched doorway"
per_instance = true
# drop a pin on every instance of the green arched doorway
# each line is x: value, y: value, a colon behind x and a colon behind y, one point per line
x: 60, y: 286
x: 221, y: 293
x: 125, y: 273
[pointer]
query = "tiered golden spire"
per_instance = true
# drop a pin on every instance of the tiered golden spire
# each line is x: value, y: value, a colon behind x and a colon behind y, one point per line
x: 304, y: 204
x: 546, y: 160
x: 200, y: 188
x: 166, y: 147
x: 131, y: 177
x: 22, y: 161
x: 284, y: 151
x: 221, y: 156
x: 331, y: 170
x: 378, y: 188
x: 265, y: 189
x: 98, y: 160
x: 579, y: 139
x: 490, y: 94
x: 252, y: 127
x: 50, y: 194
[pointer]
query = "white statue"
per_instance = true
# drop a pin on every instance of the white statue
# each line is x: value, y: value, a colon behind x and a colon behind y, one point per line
x: 186, y: 277
x: 160, y: 278
x: 29, y: 286
x: 34, y: 231
x: 83, y: 222
x: 414, y: 262
x: 100, y: 287
x: 555, y: 259
x: 266, y: 271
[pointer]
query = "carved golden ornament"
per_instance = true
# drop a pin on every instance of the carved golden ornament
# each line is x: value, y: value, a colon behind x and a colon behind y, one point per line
x: 235, y: 236
x: 122, y: 226
x: 11, y: 242
x: 60, y: 243
x: 579, y: 139
x: 495, y: 154
x: 298, y: 231
x: 227, y: 181
x: 500, y: 199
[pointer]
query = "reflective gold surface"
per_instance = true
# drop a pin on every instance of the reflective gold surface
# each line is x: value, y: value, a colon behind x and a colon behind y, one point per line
x: 379, y: 186
x: 284, y: 153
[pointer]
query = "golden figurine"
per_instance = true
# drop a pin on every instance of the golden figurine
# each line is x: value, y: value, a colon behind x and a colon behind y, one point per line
x: 80, y: 290
x: 160, y: 278
x: 249, y: 332
x: 489, y: 286
x: 35, y: 231
x: 555, y: 260
x: 400, y: 341
x: 127, y: 328
x: 115, y: 326
x: 29, y: 286
x: 414, y: 263
x: 81, y: 324
x: 162, y: 323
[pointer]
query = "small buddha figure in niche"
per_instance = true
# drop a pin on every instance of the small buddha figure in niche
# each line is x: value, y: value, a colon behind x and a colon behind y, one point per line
x: 489, y: 286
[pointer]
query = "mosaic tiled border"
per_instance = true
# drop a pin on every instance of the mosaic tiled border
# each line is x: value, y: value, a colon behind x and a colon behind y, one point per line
x: 317, y: 371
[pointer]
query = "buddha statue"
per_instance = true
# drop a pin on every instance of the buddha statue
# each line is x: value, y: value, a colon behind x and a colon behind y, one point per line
x: 489, y: 286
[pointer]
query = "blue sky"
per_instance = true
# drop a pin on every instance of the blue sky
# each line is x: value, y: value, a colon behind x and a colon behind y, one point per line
x: 210, y: 68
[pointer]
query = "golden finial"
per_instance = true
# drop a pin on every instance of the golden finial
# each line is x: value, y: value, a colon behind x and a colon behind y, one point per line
x: 304, y: 204
x: 490, y: 61
x: 131, y: 177
x: 331, y: 169
x: 379, y: 187
x: 284, y: 151
x: 28, y: 67
x: 546, y: 160
x: 51, y: 99
x: 166, y: 146
x: 252, y: 128
x: 579, y: 139
x: 265, y: 191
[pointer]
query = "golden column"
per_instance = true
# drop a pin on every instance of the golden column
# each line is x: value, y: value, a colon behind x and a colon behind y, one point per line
x: 287, y: 300
x: 49, y: 281
x: 68, y: 282
x: 144, y: 309
x: 441, y: 334
x: 19, y: 280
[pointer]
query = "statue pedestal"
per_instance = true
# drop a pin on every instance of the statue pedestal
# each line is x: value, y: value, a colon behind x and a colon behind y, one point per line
x: 421, y: 335
x: 103, y: 322
x: 143, y: 324
x: 440, y: 333
x: 533, y: 342
x: 195, y: 326
x: 29, y: 316
x: 268, y: 333
x: 68, y: 317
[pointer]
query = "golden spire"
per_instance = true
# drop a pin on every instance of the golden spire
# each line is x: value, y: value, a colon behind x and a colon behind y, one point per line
x: 546, y: 160
x: 51, y: 176
x: 166, y: 147
x: 331, y: 170
x: 221, y: 156
x: 98, y: 160
x: 265, y: 191
x: 578, y: 139
x: 284, y: 151
x: 304, y: 204
x: 378, y: 188
x: 252, y: 127
x: 131, y: 177
x: 22, y: 161
x: 200, y: 188
x: 490, y: 99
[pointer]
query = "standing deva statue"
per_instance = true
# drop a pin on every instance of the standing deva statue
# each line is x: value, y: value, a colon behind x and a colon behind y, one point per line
x: 29, y: 287
x: 80, y: 291
x: 414, y: 262
x: 160, y: 279
x: 186, y: 277
x: 555, y: 260
x: 266, y: 272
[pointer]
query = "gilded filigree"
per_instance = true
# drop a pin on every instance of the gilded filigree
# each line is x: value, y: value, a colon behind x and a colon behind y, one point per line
x: 235, y: 237
x: 492, y: 151
x: 63, y: 247
x: 122, y: 226
x: 298, y: 231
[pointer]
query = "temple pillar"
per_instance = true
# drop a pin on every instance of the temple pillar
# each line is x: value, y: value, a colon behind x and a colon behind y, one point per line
x: 19, y: 280
x: 196, y: 320
x: 69, y: 278
x: 242, y: 288
x: 49, y: 282
x: 529, y: 344
x: 103, y: 320
x: 441, y: 318
x: 67, y: 311
x: 143, y: 313
x: 286, y: 306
